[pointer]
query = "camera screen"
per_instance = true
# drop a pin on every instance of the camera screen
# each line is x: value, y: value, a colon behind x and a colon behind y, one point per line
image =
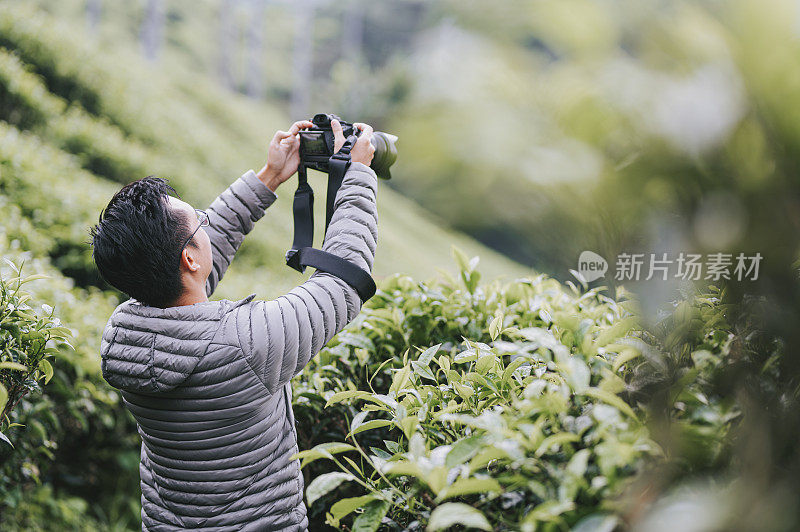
x: 313, y: 143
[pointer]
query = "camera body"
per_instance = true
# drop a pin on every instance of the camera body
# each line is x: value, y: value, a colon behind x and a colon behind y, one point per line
x: 317, y: 145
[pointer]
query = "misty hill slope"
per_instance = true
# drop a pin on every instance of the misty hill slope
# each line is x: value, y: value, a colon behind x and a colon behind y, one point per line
x: 90, y: 118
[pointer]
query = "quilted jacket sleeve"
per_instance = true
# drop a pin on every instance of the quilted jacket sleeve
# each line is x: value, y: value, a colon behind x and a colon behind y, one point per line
x: 279, y: 337
x: 231, y: 217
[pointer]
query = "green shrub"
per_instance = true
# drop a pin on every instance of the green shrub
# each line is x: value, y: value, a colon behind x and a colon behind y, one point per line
x: 28, y: 339
x: 60, y: 199
x: 24, y: 101
x: 70, y: 433
x: 509, y: 405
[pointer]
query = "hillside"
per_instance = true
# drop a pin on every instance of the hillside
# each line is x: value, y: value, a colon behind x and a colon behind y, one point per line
x: 106, y: 119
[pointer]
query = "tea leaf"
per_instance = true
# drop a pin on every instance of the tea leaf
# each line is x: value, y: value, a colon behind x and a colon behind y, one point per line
x: 47, y: 369
x: 427, y: 355
x: 3, y: 397
x: 346, y: 506
x: 324, y: 484
x: 463, y: 450
x: 369, y: 425
x: 611, y: 399
x: 14, y: 366
x: 468, y: 486
x: 456, y: 513
x: 370, y: 520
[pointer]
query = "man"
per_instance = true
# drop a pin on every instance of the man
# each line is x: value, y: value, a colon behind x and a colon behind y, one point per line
x: 208, y: 381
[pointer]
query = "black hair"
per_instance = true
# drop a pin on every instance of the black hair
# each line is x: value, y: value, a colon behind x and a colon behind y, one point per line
x: 137, y: 242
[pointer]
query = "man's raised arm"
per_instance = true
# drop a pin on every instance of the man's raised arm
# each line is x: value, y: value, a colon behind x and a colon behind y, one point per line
x: 279, y: 337
x: 233, y: 213
x: 231, y: 216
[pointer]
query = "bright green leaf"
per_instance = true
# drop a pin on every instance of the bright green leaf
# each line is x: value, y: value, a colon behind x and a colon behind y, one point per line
x: 14, y: 366
x: 456, y: 513
x: 370, y: 520
x: 345, y: 507
x: 324, y: 484
x: 468, y: 486
x: 47, y: 369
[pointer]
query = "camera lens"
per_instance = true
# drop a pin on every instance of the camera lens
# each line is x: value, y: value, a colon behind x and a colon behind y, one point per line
x: 385, y: 153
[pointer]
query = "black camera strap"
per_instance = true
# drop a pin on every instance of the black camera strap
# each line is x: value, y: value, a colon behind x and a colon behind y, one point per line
x: 302, y: 253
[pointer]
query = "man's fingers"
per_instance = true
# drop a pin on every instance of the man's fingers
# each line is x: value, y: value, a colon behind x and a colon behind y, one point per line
x: 297, y: 126
x: 338, y: 135
x: 294, y: 130
x: 366, y: 129
x: 279, y: 136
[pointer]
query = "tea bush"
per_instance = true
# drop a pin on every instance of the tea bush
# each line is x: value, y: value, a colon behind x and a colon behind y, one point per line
x: 29, y: 338
x: 536, y: 405
x: 500, y: 396
x: 67, y: 434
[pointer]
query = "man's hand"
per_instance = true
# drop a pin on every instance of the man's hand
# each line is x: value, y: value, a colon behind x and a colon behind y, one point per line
x: 363, y: 150
x: 283, y: 156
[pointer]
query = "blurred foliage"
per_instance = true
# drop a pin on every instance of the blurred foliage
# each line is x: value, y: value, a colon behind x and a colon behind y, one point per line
x: 531, y: 402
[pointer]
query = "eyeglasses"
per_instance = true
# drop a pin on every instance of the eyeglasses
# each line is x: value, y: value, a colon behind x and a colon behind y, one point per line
x: 202, y: 216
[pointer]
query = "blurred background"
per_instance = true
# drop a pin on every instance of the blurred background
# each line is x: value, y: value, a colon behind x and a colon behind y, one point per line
x: 530, y: 131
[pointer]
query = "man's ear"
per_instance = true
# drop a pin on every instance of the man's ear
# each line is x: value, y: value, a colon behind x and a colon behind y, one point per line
x: 189, y: 261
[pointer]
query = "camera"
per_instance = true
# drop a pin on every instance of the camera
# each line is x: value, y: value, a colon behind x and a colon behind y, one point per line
x: 316, y: 145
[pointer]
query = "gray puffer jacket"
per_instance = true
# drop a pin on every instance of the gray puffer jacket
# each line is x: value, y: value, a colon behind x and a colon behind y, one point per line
x: 208, y: 384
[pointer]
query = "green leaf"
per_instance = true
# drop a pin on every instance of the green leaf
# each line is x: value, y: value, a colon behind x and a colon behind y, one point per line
x: 409, y: 425
x: 5, y: 439
x: 13, y: 266
x: 423, y: 371
x: 340, y: 397
x: 618, y: 330
x: 463, y: 390
x: 369, y: 425
x: 468, y: 486
x: 427, y: 355
x: 370, y: 520
x: 400, y: 379
x: 323, y: 450
x: 347, y: 506
x: 486, y: 455
x: 34, y: 277
x: 556, y: 439
x: 465, y: 356
x: 626, y: 355
x: 456, y: 513
x: 597, y: 523
x: 509, y: 371
x: 485, y: 363
x: 613, y: 400
x: 324, y: 484
x: 3, y: 397
x: 47, y: 369
x: 463, y: 450
x: 576, y: 372
x: 547, y: 511
x: 15, y: 366
x: 356, y: 340
x: 405, y: 468
x: 60, y: 332
x: 461, y: 259
x: 495, y: 327
x: 358, y: 420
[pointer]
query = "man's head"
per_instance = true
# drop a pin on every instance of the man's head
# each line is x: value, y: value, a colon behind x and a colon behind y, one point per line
x: 138, y: 244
